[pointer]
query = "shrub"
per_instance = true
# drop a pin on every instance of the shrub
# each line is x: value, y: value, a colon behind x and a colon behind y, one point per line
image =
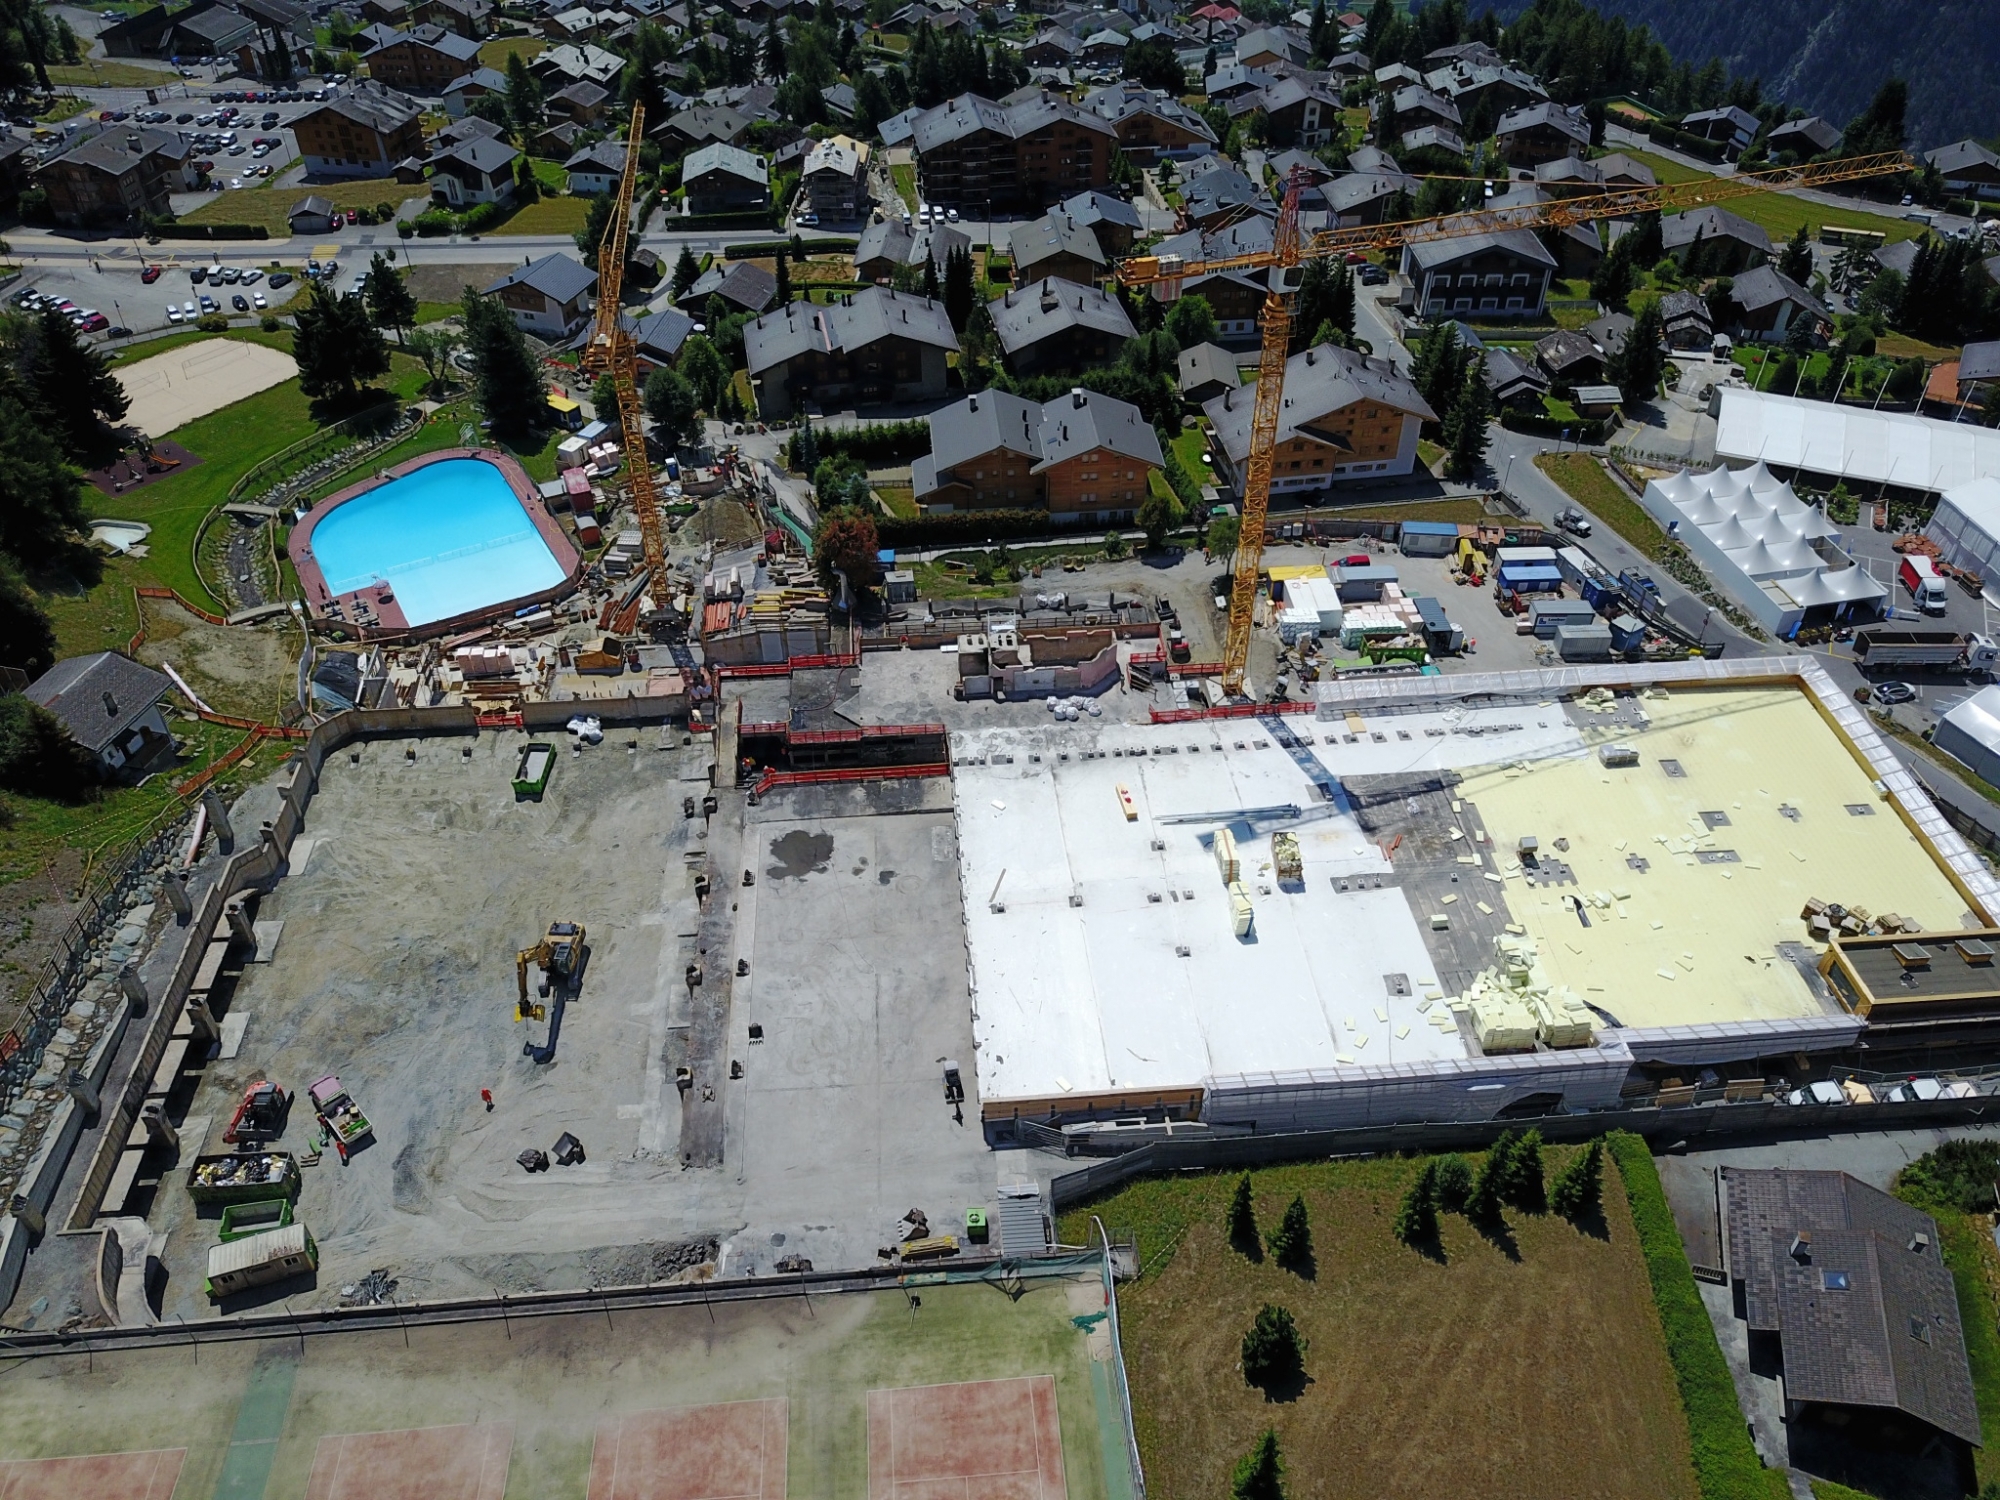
x: 38, y: 758
x: 433, y: 221
x: 481, y: 216
x: 405, y: 228
x: 384, y: 212
x: 1579, y: 1187
x: 1958, y: 1175
x: 1417, y: 1218
x: 1454, y: 1183
x: 213, y: 322
x: 964, y: 527
x: 269, y: 323
x: 1241, y: 1224
x: 1274, y: 1351
x: 1524, y: 1187
x: 885, y: 442
x: 1292, y: 1241
x: 1726, y: 1466
x: 364, y: 215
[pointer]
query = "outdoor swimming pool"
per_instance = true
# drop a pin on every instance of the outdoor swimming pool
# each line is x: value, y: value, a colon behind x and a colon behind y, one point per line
x: 449, y: 539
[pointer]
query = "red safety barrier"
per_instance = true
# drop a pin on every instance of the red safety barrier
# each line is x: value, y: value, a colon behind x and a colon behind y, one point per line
x: 787, y: 667
x: 502, y: 720
x: 773, y: 779
x: 1229, y: 711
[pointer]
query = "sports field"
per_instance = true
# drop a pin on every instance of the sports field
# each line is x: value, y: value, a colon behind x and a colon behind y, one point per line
x: 1530, y: 1365
x: 964, y: 1391
x: 183, y: 384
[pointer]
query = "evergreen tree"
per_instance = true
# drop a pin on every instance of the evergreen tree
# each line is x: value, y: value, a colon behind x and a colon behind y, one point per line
x: 1466, y: 428
x: 1482, y: 1204
x: 1645, y: 237
x: 1155, y: 516
x: 687, y: 271
x: 27, y: 639
x: 1417, y: 1217
x: 66, y: 381
x: 1340, y: 311
x: 1437, y: 370
x: 1291, y: 1242
x: 1242, y: 1221
x: 701, y: 364
x: 1579, y: 1187
x: 1273, y: 1348
x: 805, y: 449
x: 1260, y: 1473
x: 506, y: 376
x: 1525, y: 1187
x: 524, y: 95
x: 1454, y: 1183
x: 1611, y: 283
x: 784, y: 272
x: 389, y: 301
x: 1880, y: 126
x: 42, y: 518
x: 1796, y: 260
x: 931, y: 288
x: 1638, y: 365
x: 959, y: 293
x: 774, y: 50
x: 338, y: 349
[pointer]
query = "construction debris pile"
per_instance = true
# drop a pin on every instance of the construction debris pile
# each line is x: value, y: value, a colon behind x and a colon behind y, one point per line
x: 759, y: 605
x: 1826, y: 920
x: 1514, y: 1005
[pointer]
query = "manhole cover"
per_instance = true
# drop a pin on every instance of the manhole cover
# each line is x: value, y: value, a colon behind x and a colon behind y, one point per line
x: 1672, y: 768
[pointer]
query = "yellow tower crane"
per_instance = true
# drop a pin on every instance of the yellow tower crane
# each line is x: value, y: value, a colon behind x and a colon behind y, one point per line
x: 612, y: 348
x: 1288, y: 250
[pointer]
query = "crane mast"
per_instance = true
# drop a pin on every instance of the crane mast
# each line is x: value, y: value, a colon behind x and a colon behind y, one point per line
x: 1281, y: 261
x: 612, y: 348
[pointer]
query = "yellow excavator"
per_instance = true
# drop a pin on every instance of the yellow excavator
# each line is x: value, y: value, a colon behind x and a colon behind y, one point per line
x: 559, y: 956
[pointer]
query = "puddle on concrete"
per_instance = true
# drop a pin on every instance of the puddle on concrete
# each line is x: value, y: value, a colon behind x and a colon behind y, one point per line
x: 800, y: 854
x: 884, y: 877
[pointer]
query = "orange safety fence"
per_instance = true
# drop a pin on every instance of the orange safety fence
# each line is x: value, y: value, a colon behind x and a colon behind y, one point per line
x: 785, y: 668
x: 773, y: 779
x: 1229, y: 711
x: 152, y: 591
x: 250, y: 742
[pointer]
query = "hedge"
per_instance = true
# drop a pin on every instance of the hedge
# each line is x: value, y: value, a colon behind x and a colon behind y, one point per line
x: 211, y: 231
x: 1682, y: 140
x: 1541, y: 424
x: 888, y: 442
x: 1726, y: 1464
x: 960, y: 528
x: 762, y: 218
x: 756, y: 248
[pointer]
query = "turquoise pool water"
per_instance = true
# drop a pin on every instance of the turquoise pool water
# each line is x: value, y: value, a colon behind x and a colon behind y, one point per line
x: 449, y: 538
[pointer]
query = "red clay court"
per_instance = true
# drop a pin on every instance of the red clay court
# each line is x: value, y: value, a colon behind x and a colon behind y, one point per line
x: 734, y: 1451
x: 102, y: 1476
x: 424, y: 1463
x: 983, y: 1440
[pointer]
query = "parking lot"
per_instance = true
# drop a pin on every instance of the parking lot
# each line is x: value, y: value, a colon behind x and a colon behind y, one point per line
x: 115, y: 287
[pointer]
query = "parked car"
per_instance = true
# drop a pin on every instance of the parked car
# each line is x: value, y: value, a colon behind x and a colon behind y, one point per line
x: 353, y: 217
x: 1572, y: 520
x: 253, y: 274
x: 280, y: 278
x: 173, y: 312
x: 188, y: 310
x: 198, y: 275
x: 1888, y: 694
x: 118, y: 331
x: 240, y: 302
x: 1374, y: 275
x: 257, y: 300
x: 150, y: 275
x: 95, y: 323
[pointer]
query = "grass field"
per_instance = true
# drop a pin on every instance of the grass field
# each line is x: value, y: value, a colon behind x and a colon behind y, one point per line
x: 268, y: 206
x: 905, y: 177
x: 547, y: 216
x: 1584, y: 479
x: 1780, y: 214
x: 1188, y: 448
x: 110, y: 73
x: 1462, y: 512
x: 494, y: 54
x: 1483, y: 1373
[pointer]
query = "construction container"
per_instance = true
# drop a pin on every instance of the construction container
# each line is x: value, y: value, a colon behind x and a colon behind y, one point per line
x: 1362, y: 584
x: 1628, y: 633
x: 240, y: 1220
x: 260, y: 1259
x: 1226, y: 861
x: 570, y: 452
x: 1445, y: 638
x: 1578, y: 567
x: 1544, y: 615
x: 1428, y: 538
x: 1240, y: 910
x: 240, y: 1177
x: 1583, y: 642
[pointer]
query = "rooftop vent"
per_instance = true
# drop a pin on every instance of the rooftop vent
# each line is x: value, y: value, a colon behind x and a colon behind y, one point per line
x: 110, y: 705
x: 1076, y: 397
x: 1802, y: 1245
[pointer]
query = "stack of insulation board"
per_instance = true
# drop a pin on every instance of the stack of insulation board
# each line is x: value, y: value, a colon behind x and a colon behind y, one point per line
x: 1513, y: 1004
x: 483, y: 661
x: 1312, y: 607
x: 1394, y: 615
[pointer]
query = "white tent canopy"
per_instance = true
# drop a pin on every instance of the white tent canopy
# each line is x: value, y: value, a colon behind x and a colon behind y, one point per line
x: 1887, y: 448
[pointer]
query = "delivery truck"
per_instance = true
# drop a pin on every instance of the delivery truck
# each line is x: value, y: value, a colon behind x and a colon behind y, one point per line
x: 1920, y: 576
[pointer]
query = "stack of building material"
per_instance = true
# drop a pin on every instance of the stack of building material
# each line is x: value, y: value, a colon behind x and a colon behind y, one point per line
x: 1285, y: 855
x: 1394, y: 614
x: 1312, y: 607
x: 623, y: 554
x: 483, y: 661
x: 1225, y: 856
x: 1513, y: 1003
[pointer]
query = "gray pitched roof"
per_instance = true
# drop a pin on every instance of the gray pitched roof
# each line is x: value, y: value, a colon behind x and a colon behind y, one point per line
x: 662, y: 331
x: 1443, y: 252
x: 1899, y: 257
x: 557, y: 277
x: 907, y: 244
x: 1024, y: 317
x: 312, y: 204
x: 1084, y: 421
x: 605, y: 157
x: 1980, y: 361
x: 986, y: 423
x: 1318, y: 382
x: 1214, y: 192
x: 1812, y: 133
x: 1760, y: 286
x: 969, y: 114
x: 482, y: 154
x: 490, y: 79
x: 1053, y: 234
x: 1955, y: 158
x: 709, y: 122
x: 1101, y: 208
x: 1119, y: 102
x: 866, y: 318
x: 1545, y: 113
x: 1507, y: 373
x: 1676, y: 307
x: 98, y: 698
x: 1679, y: 229
x: 374, y: 105
x: 1207, y: 362
x: 1854, y: 1284
x: 749, y: 287
x: 732, y: 160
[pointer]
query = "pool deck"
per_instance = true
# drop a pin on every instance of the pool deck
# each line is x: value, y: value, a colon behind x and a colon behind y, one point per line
x: 373, y: 613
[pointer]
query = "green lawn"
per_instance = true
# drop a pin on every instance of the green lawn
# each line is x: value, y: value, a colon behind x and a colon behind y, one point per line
x: 1664, y: 169
x: 494, y: 54
x: 899, y: 500
x: 132, y: 353
x: 905, y: 177
x: 268, y: 206
x: 1780, y: 214
x: 62, y: 107
x: 111, y: 73
x: 1583, y: 477
x: 436, y: 312
x: 547, y: 216
x: 1188, y: 448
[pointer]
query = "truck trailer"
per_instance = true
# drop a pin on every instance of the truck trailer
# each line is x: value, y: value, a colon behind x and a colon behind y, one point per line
x: 1920, y: 576
x: 1938, y: 650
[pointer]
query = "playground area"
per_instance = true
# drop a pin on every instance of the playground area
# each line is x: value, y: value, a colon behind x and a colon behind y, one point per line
x: 932, y: 1390
x: 174, y: 388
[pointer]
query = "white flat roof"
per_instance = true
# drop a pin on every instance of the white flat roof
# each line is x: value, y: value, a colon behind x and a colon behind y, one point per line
x: 1918, y: 453
x: 1097, y: 999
